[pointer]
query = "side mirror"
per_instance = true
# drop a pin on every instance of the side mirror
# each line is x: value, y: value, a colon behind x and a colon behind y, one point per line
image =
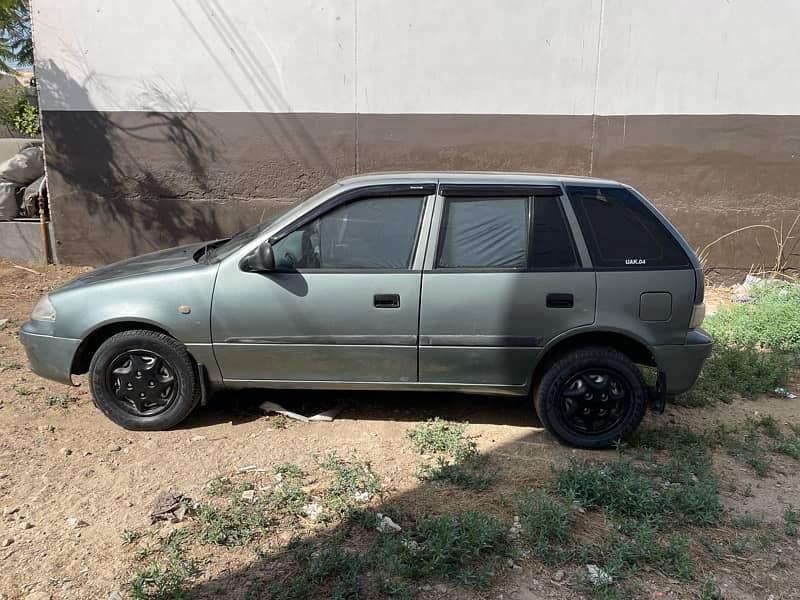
x: 260, y: 260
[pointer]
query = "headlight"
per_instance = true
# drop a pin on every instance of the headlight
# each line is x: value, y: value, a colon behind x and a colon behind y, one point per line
x: 44, y: 310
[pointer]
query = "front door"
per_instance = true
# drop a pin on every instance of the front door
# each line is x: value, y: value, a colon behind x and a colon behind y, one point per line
x: 502, y: 278
x: 341, y: 306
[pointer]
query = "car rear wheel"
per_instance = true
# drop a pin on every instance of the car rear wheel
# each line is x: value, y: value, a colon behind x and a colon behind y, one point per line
x: 592, y: 397
x: 144, y: 380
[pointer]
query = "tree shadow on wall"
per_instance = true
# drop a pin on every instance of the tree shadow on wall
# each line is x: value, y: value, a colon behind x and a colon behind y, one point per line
x: 90, y: 164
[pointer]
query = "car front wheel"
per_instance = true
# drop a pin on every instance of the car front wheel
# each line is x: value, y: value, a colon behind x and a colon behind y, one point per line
x: 144, y: 380
x: 591, y: 397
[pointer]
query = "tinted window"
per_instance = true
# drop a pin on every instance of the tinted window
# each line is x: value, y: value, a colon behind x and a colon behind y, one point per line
x: 484, y: 233
x: 373, y: 233
x: 551, y: 246
x: 621, y: 231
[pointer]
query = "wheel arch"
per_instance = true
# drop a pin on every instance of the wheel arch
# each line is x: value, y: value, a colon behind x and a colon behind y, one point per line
x: 635, y: 349
x: 95, y: 338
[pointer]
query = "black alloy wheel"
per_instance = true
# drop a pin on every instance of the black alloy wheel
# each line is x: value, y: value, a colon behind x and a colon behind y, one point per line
x: 591, y: 397
x: 594, y: 401
x: 143, y: 382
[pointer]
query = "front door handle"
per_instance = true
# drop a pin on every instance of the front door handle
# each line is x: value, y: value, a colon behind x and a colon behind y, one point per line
x: 387, y: 300
x: 560, y: 301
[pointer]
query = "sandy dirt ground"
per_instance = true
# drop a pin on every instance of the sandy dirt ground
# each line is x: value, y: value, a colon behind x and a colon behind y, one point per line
x: 61, y: 459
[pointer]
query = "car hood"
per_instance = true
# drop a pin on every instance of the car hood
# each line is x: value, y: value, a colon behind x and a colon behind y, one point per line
x: 163, y: 260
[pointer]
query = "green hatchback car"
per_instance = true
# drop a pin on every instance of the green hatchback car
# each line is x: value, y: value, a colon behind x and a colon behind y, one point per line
x: 543, y: 286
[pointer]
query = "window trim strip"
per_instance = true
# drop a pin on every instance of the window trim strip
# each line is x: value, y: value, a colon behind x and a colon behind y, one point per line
x: 422, y: 190
x: 489, y: 190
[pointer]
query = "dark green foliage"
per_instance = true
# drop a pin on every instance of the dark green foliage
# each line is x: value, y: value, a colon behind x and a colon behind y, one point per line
x: 545, y: 523
x: 16, y: 42
x: 462, y: 547
x: 326, y: 569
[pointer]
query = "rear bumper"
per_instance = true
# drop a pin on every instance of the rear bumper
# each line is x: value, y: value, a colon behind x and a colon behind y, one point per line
x: 681, y: 364
x: 49, y: 356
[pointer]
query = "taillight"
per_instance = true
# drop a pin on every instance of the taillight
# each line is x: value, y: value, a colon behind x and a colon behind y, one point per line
x: 698, y: 314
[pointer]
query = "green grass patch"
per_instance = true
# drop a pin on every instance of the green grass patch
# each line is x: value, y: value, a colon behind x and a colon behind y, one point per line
x: 546, y: 526
x: 710, y: 590
x: 287, y: 497
x: 130, y: 536
x: 732, y: 371
x: 683, y: 487
x: 756, y: 344
x: 746, y: 521
x: 473, y: 472
x: 624, y: 554
x: 459, y: 462
x: 770, y: 322
x: 459, y: 547
x: 220, y: 486
x: 744, y: 444
x: 239, y: 524
x: 167, y: 572
x: 239, y: 519
x: 62, y: 400
x: 324, y: 569
x: 791, y: 520
x: 648, y: 504
x: 354, y: 482
x: 756, y: 441
x: 437, y: 436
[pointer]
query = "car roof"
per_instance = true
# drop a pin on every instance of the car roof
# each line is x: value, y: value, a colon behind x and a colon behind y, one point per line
x: 474, y: 177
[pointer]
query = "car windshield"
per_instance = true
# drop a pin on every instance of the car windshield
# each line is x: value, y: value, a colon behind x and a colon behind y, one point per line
x: 218, y: 251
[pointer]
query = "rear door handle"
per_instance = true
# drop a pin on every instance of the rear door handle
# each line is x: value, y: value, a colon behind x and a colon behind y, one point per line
x: 387, y: 300
x: 560, y: 301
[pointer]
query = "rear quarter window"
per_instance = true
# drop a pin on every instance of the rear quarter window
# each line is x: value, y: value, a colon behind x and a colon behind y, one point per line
x: 622, y: 232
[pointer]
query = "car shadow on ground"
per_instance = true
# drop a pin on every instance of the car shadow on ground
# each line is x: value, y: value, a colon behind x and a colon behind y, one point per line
x: 242, y: 406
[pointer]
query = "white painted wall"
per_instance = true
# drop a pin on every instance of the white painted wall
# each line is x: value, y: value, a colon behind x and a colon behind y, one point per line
x: 572, y: 57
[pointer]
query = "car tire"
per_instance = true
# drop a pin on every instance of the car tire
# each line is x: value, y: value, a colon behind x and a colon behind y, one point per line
x: 144, y: 380
x: 591, y: 398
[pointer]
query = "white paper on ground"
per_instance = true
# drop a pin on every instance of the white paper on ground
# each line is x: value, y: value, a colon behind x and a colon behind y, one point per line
x: 325, y: 416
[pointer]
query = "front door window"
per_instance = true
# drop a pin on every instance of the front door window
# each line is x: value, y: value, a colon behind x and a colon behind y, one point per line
x: 372, y: 233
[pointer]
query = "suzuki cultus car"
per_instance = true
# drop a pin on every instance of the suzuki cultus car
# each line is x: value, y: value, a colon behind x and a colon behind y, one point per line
x: 548, y: 287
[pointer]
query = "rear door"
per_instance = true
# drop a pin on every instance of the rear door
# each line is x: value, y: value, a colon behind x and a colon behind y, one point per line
x: 502, y: 277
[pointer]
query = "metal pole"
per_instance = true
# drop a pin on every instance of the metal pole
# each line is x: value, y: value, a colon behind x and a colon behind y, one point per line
x: 43, y: 224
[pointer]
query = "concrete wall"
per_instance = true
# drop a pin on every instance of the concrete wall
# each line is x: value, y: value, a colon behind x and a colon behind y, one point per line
x: 22, y: 241
x: 185, y: 119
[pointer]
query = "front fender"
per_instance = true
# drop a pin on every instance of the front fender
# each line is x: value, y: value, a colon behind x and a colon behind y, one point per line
x: 178, y: 301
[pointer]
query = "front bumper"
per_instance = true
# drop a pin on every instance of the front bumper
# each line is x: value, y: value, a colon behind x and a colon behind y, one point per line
x: 49, y: 356
x: 681, y: 364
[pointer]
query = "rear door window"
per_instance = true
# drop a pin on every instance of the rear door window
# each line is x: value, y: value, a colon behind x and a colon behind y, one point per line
x: 621, y: 232
x: 552, y: 247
